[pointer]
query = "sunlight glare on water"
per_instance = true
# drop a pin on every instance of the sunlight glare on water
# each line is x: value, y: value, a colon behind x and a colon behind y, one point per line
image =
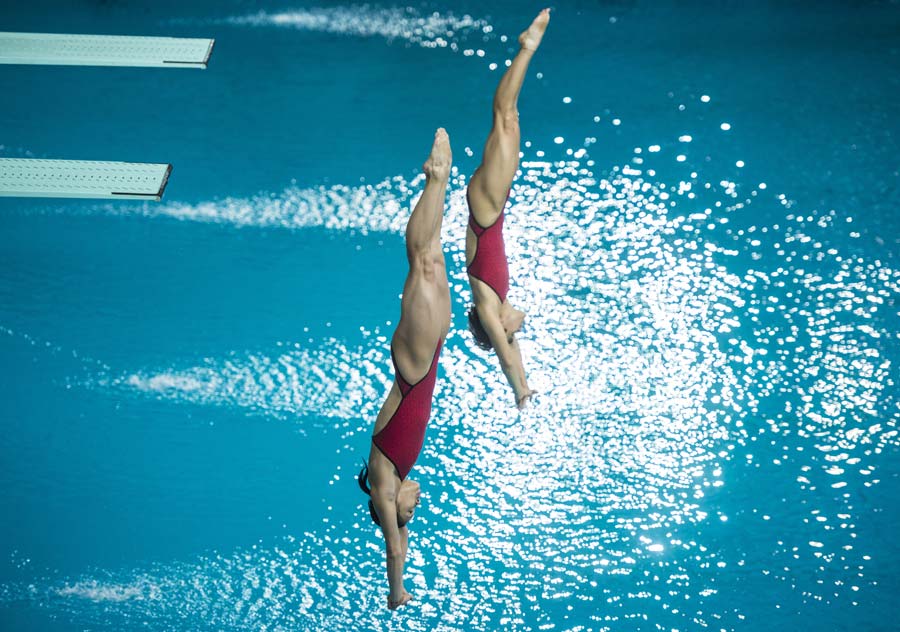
x: 658, y: 334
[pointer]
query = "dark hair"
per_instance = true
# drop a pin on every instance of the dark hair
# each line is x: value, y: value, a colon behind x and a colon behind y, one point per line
x: 363, y: 480
x: 481, y: 337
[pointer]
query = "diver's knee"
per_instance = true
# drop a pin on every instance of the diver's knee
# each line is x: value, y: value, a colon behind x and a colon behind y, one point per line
x: 506, y: 118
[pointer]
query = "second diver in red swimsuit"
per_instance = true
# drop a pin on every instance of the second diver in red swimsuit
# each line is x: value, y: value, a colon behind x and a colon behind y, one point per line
x: 492, y: 320
x: 415, y: 348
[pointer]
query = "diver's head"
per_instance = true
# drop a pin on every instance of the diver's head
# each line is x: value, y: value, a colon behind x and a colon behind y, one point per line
x: 510, y: 317
x: 406, y: 502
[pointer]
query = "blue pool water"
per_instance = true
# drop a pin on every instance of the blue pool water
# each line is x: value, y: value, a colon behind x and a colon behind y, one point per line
x: 704, y: 232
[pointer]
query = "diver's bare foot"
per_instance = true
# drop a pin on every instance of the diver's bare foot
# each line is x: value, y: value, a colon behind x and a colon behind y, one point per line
x: 438, y: 163
x: 530, y: 39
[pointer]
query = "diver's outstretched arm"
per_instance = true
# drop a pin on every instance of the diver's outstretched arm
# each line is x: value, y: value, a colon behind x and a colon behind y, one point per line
x: 395, y: 539
x: 507, y: 350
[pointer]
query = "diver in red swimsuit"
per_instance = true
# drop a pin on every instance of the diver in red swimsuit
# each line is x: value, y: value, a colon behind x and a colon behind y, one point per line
x: 415, y: 348
x: 492, y: 320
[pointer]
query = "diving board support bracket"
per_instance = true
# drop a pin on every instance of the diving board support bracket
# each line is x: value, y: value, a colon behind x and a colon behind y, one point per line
x: 104, y: 50
x: 82, y: 179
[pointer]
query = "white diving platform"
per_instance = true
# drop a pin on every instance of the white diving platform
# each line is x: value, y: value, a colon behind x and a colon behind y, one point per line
x: 82, y: 179
x: 104, y: 50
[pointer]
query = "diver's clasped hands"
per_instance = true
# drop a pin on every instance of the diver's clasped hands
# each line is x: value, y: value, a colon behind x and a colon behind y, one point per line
x: 404, y: 599
x: 523, y: 399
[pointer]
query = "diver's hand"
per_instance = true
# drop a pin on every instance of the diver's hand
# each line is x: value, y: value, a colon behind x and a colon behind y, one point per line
x: 404, y: 598
x: 522, y: 400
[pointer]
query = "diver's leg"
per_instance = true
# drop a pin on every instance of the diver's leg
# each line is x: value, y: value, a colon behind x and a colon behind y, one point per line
x: 500, y: 160
x: 424, y: 224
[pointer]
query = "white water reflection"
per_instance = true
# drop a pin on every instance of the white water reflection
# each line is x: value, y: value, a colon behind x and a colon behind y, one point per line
x: 328, y: 381
x: 427, y: 29
x: 675, y: 344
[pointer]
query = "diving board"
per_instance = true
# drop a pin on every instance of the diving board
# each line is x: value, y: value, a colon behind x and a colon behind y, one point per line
x: 21, y: 177
x: 104, y: 50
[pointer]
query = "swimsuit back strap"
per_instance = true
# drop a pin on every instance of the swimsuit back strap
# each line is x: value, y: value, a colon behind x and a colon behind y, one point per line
x: 475, y: 226
x: 402, y: 384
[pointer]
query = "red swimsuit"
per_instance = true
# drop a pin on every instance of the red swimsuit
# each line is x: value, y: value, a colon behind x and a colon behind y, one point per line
x: 489, y: 263
x: 402, y: 437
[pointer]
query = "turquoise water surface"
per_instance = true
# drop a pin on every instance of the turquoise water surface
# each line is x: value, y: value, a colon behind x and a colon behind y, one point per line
x: 705, y: 235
